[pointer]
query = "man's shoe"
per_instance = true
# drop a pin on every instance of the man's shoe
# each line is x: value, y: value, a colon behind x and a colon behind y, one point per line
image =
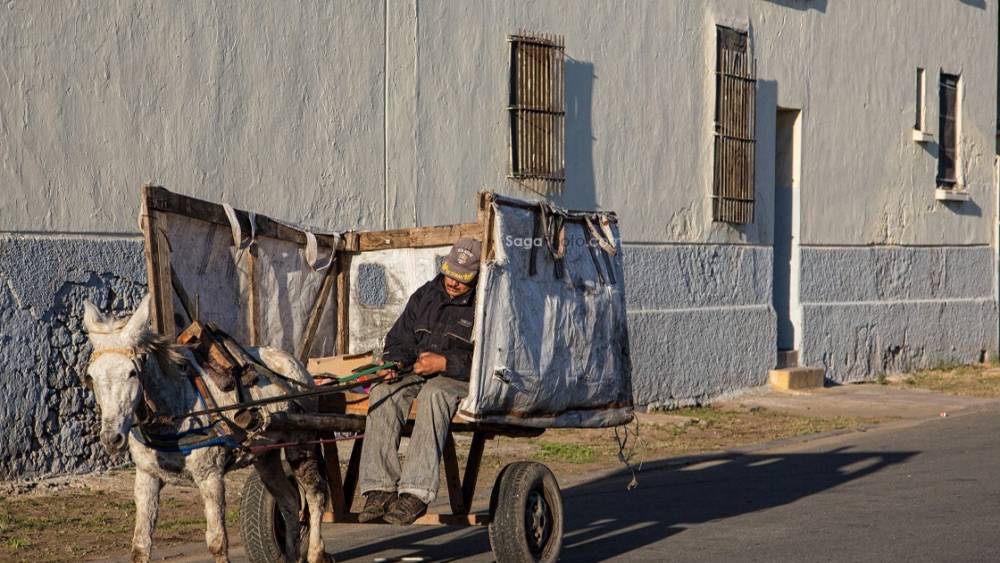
x: 376, y: 504
x: 405, y: 510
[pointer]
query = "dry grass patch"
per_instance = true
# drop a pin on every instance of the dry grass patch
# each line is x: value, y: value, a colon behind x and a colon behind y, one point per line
x: 975, y: 380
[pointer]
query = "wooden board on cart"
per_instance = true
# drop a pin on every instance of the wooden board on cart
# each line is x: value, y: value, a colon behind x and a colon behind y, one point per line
x: 350, y: 402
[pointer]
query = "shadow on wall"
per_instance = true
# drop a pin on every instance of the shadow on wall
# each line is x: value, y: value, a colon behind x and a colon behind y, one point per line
x: 579, y: 191
x: 603, y: 521
x: 818, y: 5
x: 981, y: 4
x: 968, y: 207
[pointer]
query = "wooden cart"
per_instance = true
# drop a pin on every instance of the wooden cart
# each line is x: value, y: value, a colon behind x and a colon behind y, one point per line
x: 525, y: 511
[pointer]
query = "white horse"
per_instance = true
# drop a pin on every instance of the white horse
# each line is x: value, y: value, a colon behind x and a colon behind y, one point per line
x: 130, y: 367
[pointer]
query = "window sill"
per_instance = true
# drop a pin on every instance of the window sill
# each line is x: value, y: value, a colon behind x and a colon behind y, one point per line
x: 944, y: 194
x: 922, y: 136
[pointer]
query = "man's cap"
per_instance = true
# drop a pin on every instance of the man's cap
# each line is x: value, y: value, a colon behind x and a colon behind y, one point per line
x: 462, y: 263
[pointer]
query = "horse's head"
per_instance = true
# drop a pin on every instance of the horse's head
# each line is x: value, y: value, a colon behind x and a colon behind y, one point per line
x: 113, y: 372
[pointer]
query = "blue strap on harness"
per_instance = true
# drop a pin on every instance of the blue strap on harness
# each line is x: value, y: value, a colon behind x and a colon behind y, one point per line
x: 184, y: 442
x: 187, y: 441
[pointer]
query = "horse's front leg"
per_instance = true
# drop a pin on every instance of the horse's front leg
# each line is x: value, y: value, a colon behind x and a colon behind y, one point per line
x: 310, y: 477
x: 213, y: 493
x: 147, y: 505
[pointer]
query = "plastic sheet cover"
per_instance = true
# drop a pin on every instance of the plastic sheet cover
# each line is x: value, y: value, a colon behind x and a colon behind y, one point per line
x: 552, y: 350
x: 215, y: 275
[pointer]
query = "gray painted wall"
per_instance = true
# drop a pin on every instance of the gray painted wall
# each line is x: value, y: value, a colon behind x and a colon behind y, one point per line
x: 389, y: 114
x: 271, y: 106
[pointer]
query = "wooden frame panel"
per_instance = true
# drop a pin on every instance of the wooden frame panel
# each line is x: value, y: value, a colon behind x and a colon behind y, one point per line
x: 157, y: 198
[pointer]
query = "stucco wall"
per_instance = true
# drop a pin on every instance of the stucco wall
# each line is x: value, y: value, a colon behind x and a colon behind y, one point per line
x: 640, y: 90
x: 366, y: 114
x: 851, y: 66
x: 700, y: 321
x: 639, y: 112
x: 276, y: 107
x: 49, y: 419
x: 868, y: 311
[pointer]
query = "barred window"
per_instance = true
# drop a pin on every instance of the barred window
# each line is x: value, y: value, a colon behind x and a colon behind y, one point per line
x: 735, y: 110
x: 947, y: 175
x: 537, y: 109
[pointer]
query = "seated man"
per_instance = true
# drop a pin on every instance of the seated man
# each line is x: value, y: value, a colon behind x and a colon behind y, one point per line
x: 434, y: 336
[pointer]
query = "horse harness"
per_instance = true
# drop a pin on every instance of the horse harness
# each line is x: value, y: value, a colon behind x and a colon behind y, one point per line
x: 147, y: 414
x: 235, y: 432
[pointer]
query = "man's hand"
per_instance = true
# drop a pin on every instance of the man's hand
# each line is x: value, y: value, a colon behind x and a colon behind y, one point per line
x: 429, y: 363
x: 388, y: 374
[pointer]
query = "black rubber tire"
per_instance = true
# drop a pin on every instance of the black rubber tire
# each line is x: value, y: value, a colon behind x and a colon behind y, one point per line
x: 261, y: 523
x: 527, y: 515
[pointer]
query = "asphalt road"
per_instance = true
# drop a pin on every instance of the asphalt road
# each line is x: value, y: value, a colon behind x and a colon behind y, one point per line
x: 926, y: 492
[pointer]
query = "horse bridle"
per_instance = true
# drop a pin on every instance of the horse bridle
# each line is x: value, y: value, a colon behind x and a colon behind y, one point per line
x: 138, y: 359
x: 146, y: 411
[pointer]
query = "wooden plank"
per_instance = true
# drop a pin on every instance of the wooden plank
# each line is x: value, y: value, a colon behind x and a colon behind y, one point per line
x: 161, y: 199
x: 486, y: 225
x: 336, y: 506
x: 339, y: 365
x: 253, y: 299
x: 452, y: 478
x: 164, y: 287
x: 353, y: 469
x: 150, y: 242
x: 418, y: 237
x: 460, y: 520
x: 477, y: 519
x: 472, y: 467
x: 350, y: 417
x: 316, y: 312
x: 323, y: 423
x: 344, y: 304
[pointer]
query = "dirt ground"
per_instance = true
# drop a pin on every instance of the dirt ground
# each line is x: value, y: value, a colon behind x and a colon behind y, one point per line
x: 88, y: 517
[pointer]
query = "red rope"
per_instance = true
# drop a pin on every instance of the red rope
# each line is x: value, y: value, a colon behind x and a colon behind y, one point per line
x: 268, y: 447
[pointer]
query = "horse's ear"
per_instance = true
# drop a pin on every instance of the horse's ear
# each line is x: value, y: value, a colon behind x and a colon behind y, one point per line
x: 92, y: 317
x: 140, y: 319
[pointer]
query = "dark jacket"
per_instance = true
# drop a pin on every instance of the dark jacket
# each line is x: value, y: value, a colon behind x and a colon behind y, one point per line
x: 434, y: 322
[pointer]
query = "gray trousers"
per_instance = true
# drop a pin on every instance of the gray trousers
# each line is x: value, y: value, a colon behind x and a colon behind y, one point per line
x: 389, y: 405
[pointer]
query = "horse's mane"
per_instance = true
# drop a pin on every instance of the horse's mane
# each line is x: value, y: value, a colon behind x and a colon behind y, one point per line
x: 167, y: 354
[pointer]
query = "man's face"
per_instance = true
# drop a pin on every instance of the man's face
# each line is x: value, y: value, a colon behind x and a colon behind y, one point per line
x: 455, y: 288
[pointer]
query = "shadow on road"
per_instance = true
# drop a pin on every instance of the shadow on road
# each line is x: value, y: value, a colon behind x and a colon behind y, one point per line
x: 605, y: 521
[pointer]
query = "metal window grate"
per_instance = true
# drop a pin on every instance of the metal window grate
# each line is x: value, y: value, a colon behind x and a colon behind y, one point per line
x: 948, y: 146
x: 735, y: 111
x: 537, y: 111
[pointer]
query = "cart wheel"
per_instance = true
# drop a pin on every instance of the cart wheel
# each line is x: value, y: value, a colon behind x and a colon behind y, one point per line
x: 262, y: 527
x: 527, y: 515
